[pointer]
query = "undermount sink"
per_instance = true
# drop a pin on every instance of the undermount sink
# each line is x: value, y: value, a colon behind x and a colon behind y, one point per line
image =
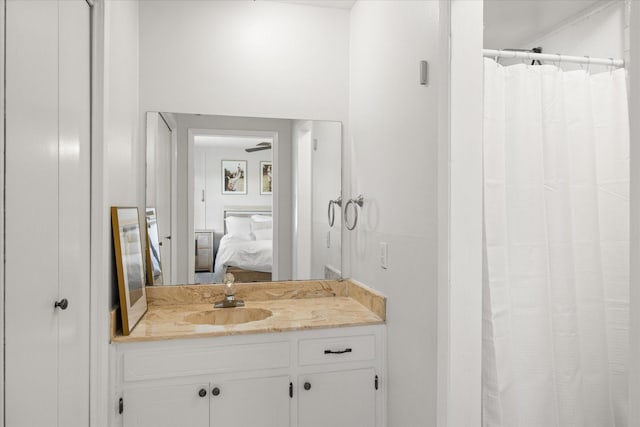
x: 228, y: 316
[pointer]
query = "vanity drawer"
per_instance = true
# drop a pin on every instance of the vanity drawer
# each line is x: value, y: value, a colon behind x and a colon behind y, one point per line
x: 146, y: 365
x: 336, y: 350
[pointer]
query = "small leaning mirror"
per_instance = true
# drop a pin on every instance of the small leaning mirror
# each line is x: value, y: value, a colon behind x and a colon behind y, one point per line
x: 129, y: 265
x: 154, y: 266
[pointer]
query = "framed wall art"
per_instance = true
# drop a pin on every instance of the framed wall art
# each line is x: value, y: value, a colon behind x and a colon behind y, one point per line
x: 266, y: 177
x: 234, y: 177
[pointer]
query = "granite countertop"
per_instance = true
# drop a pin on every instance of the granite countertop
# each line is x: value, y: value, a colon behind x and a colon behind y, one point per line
x: 294, y: 306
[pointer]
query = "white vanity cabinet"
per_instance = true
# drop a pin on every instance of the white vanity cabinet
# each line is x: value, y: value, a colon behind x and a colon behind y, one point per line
x: 209, y: 404
x: 338, y: 383
x: 253, y: 380
x: 270, y: 403
x: 340, y: 398
x: 167, y: 405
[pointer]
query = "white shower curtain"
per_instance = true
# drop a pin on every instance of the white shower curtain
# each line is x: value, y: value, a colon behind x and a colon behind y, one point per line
x: 555, y: 316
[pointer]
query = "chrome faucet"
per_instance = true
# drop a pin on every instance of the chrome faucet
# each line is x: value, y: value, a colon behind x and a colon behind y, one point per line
x: 229, y: 299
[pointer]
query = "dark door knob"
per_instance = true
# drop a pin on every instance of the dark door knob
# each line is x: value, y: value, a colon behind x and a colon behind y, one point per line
x: 307, y: 386
x: 215, y: 391
x: 202, y: 392
x: 62, y: 304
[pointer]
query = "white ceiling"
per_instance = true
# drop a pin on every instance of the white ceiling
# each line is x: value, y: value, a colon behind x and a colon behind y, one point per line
x: 336, y: 4
x: 227, y: 141
x: 511, y: 23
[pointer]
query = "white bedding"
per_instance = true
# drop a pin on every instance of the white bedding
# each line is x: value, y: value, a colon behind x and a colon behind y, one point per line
x: 256, y: 255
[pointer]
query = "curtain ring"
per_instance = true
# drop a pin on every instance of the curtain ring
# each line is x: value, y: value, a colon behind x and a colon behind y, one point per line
x: 331, y: 211
x: 497, y: 57
x: 359, y: 201
x: 588, y: 64
x: 612, y: 65
x: 558, y: 60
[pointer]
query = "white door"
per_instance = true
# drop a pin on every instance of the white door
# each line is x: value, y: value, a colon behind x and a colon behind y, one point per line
x: 337, y: 399
x: 304, y: 189
x: 167, y: 406
x: 254, y: 402
x: 163, y: 198
x: 199, y: 189
x: 47, y: 212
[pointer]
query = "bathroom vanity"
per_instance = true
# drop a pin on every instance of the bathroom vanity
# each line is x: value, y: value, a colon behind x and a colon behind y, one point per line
x: 298, y: 354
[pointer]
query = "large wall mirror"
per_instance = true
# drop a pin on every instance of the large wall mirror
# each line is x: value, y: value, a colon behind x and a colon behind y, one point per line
x: 255, y: 197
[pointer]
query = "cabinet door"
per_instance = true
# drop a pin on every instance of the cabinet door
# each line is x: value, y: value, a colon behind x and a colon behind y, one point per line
x: 337, y: 399
x: 167, y: 406
x: 255, y: 402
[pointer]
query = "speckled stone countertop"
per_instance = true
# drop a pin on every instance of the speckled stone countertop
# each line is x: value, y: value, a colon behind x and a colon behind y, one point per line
x: 294, y: 306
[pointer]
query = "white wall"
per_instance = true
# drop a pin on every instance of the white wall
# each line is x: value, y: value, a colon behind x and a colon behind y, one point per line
x: 244, y: 58
x: 117, y: 172
x: 317, y: 151
x: 215, y: 202
x: 302, y: 193
x: 2, y: 144
x: 393, y: 137
x: 634, y: 321
x: 596, y: 32
x: 327, y: 146
x: 124, y: 153
x: 460, y: 205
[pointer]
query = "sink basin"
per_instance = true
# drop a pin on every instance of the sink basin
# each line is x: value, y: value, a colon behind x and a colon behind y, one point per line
x: 228, y: 316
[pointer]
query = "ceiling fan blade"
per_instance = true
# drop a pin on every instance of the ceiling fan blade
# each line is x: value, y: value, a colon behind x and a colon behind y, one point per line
x: 260, y: 146
x: 252, y: 149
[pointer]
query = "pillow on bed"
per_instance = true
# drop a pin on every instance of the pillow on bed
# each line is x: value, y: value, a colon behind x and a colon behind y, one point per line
x: 263, y: 234
x: 261, y: 222
x: 239, y: 227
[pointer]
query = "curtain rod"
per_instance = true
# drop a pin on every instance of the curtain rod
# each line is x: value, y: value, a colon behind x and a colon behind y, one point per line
x: 493, y: 53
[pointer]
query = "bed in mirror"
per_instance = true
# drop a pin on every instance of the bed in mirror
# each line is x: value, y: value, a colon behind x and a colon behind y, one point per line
x: 244, y: 195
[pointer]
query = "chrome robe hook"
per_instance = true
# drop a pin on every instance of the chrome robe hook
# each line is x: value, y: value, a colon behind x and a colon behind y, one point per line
x: 331, y: 211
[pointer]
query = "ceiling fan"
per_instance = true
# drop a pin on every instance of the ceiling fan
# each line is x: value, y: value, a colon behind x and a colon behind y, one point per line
x: 260, y: 146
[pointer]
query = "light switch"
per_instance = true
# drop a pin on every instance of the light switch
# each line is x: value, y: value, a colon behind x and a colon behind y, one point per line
x: 424, y: 73
x: 384, y: 255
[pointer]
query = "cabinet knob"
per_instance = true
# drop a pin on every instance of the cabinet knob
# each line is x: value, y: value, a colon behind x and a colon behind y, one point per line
x: 62, y: 304
x: 202, y: 392
x: 307, y: 386
x: 215, y: 391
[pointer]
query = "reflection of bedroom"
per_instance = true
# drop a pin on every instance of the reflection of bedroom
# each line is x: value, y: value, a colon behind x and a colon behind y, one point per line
x: 301, y: 159
x: 219, y: 161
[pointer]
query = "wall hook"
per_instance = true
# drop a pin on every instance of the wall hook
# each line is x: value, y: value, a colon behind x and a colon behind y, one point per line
x: 331, y: 211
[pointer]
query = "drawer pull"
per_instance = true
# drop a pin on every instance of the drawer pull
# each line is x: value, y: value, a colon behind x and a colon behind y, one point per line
x: 346, y: 350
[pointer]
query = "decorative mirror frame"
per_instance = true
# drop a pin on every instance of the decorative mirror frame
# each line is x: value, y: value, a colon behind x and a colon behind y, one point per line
x: 154, y: 263
x: 127, y: 245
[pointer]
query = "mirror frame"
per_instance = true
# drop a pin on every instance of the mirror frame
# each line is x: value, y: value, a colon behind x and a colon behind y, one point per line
x: 131, y: 312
